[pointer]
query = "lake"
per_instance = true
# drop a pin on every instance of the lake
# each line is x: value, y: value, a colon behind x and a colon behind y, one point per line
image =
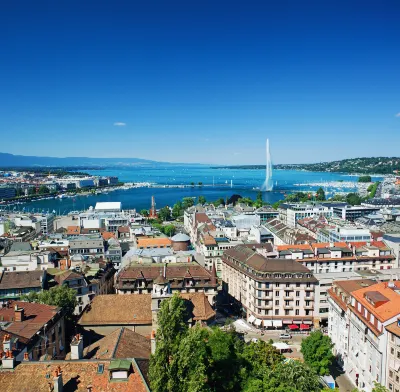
x: 216, y: 184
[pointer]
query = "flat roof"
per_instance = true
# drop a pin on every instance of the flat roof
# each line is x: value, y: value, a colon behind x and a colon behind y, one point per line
x: 109, y: 205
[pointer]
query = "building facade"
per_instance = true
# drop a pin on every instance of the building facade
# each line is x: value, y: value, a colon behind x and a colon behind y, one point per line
x: 273, y: 292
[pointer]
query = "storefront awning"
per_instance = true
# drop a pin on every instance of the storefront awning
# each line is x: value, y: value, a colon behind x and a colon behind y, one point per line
x: 287, y: 321
x: 251, y: 319
x: 309, y: 322
x: 277, y: 323
x: 257, y: 322
x: 267, y: 323
x: 297, y: 322
x: 293, y: 327
x: 304, y: 327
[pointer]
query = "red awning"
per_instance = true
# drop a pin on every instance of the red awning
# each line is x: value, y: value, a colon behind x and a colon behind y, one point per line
x: 304, y: 326
x: 293, y: 326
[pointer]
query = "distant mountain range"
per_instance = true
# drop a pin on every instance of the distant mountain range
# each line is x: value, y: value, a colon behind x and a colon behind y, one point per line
x: 10, y: 160
x: 379, y: 165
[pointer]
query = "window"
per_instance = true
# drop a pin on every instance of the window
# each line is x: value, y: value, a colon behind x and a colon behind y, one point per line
x: 297, y: 284
x: 392, y: 350
x: 277, y: 293
x: 297, y: 312
x: 297, y: 303
x: 276, y: 312
x: 390, y: 373
x: 398, y: 354
x: 297, y: 293
x: 276, y: 284
x: 277, y: 302
x: 286, y: 312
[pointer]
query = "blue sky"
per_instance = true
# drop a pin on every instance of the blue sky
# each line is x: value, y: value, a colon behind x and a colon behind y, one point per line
x: 201, y: 81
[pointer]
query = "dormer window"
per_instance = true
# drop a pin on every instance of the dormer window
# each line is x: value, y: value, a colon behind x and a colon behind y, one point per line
x: 120, y: 369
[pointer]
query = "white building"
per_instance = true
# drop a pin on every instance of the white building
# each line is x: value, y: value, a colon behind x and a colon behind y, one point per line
x: 27, y: 260
x: 291, y: 213
x: 369, y: 311
x: 108, y: 207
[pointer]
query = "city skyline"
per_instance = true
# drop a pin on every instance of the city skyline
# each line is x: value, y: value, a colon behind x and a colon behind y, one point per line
x: 208, y: 84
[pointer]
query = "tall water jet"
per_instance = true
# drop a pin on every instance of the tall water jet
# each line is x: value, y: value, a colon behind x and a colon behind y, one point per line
x: 268, y: 183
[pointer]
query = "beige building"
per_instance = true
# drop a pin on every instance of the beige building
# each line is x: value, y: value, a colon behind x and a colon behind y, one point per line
x: 393, y: 353
x: 273, y: 292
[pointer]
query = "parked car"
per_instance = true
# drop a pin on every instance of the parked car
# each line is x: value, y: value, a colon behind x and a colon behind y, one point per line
x: 285, y: 336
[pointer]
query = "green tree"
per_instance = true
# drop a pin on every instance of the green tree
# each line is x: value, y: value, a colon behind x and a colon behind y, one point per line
x: 158, y: 226
x: 200, y: 184
x: 61, y: 296
x: 320, y: 194
x: 171, y: 330
x: 177, y: 209
x: 379, y: 388
x: 364, y: 179
x: 144, y: 213
x: 354, y: 199
x: 164, y: 214
x: 187, y: 202
x: 246, y: 200
x: 43, y: 189
x: 32, y: 190
x: 260, y: 355
x: 219, y: 202
x: 202, y: 200
x: 259, y: 200
x: 169, y: 230
x: 192, y: 183
x: 317, y: 352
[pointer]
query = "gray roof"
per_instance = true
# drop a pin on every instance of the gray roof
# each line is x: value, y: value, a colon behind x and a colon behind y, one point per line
x: 180, y: 237
x: 20, y: 247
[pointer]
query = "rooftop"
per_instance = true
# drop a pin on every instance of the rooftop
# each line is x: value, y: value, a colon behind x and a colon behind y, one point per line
x: 21, y: 279
x: 76, y: 376
x: 387, y: 297
x: 36, y: 315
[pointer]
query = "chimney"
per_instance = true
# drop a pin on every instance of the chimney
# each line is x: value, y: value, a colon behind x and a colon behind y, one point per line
x: 7, y: 343
x: 58, y: 382
x: 19, y: 314
x: 77, y: 347
x: 153, y: 341
x: 8, y: 361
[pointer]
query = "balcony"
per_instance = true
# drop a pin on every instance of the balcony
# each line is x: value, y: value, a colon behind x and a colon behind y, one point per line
x: 268, y: 307
x: 309, y: 307
x: 288, y: 307
x: 288, y: 297
x: 310, y: 298
x: 309, y: 288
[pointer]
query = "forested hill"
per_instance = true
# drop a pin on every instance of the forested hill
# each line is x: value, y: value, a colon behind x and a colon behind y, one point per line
x: 380, y: 165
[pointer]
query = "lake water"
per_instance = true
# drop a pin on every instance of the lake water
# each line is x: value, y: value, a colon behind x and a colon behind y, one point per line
x: 216, y: 184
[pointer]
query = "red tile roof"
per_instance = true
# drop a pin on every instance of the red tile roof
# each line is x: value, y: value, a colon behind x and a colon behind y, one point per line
x: 36, y: 315
x: 76, y: 376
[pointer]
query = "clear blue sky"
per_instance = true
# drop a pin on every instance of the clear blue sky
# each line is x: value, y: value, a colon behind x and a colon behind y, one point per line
x: 200, y: 81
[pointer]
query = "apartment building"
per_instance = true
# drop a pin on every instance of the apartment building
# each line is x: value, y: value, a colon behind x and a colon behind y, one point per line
x: 266, y: 213
x: 339, y: 297
x: 393, y: 354
x: 351, y: 213
x: 370, y: 310
x: 340, y: 256
x: 94, y: 281
x: 273, y: 292
x: 344, y: 233
x: 89, y: 245
x: 29, y: 331
x: 188, y: 278
x: 15, y: 284
x: 283, y: 234
x: 290, y: 213
x: 28, y: 260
